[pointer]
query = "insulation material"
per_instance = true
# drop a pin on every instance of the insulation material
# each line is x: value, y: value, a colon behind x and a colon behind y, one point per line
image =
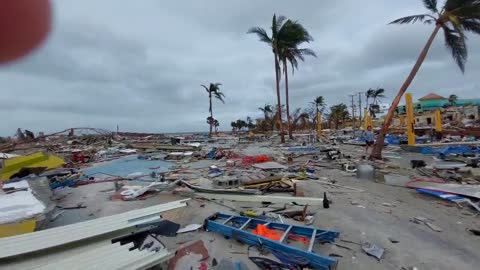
x: 19, y: 205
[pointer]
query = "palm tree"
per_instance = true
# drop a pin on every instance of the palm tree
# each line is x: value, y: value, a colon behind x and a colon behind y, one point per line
x: 216, y: 124
x: 289, y: 52
x: 376, y: 94
x: 455, y: 18
x: 213, y: 90
x: 301, y: 118
x: 338, y: 113
x: 233, y: 125
x: 240, y: 124
x: 453, y: 99
x: 250, y: 124
x: 267, y: 110
x: 279, y: 35
x: 319, y: 103
x: 369, y: 94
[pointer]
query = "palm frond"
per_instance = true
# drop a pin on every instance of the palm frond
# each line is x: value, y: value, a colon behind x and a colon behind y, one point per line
x: 277, y: 23
x: 380, y: 92
x: 431, y: 5
x: 308, y: 52
x: 220, y: 96
x: 451, y: 5
x: 471, y: 26
x: 293, y: 62
x: 206, y: 88
x: 293, y: 34
x: 455, y: 42
x: 468, y: 11
x: 412, y: 19
x: 261, y: 34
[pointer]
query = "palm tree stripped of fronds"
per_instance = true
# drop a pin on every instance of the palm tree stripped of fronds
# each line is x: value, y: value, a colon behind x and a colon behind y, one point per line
x: 275, y: 41
x: 455, y: 19
x: 213, y: 90
x: 289, y: 52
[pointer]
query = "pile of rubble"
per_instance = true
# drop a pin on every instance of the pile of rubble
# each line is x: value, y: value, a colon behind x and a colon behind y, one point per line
x: 252, y: 190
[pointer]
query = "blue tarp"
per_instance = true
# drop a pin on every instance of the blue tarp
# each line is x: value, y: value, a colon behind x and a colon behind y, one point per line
x: 301, y: 149
x: 441, y: 195
x: 449, y: 150
x: 211, y: 155
x: 391, y: 139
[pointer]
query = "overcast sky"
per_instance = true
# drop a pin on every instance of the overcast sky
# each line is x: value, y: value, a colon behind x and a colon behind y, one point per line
x: 140, y: 64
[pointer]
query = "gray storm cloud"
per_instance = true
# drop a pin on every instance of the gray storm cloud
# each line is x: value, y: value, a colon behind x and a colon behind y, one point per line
x: 140, y: 64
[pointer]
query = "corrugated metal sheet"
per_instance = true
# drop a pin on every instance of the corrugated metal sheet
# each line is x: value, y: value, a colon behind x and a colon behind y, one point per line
x: 110, y: 256
x: 26, y: 243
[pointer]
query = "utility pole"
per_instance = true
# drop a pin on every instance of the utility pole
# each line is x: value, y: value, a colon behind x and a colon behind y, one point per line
x: 360, y: 106
x: 353, y: 112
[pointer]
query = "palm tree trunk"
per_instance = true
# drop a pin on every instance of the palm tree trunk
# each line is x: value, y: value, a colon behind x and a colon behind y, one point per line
x: 289, y: 124
x: 279, y: 110
x: 211, y: 114
x: 377, y: 149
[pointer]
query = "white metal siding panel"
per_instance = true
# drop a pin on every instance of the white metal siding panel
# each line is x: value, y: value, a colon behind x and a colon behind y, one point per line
x: 25, y: 243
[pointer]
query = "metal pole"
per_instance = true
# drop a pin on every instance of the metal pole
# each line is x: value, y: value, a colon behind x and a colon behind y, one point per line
x: 410, y: 119
x: 360, y: 107
x: 353, y: 112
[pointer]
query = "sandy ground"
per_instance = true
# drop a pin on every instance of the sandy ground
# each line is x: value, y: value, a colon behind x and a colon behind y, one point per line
x: 359, y: 216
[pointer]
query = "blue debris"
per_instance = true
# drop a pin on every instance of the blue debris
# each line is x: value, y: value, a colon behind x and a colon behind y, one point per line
x: 441, y: 195
x: 449, y: 150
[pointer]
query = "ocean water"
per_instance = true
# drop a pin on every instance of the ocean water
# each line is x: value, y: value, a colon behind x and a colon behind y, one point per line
x: 128, y: 166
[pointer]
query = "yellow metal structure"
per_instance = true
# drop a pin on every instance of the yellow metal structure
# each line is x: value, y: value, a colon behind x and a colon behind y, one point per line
x: 21, y: 227
x: 319, y: 124
x: 438, y: 121
x: 410, y: 119
x: 13, y: 165
x: 368, y: 120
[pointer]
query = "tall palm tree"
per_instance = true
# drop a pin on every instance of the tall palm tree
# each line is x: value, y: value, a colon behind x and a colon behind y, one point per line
x: 290, y: 53
x: 453, y: 99
x: 319, y: 103
x: 455, y: 19
x: 280, y: 34
x: 213, y: 91
x: 369, y: 94
x: 376, y: 95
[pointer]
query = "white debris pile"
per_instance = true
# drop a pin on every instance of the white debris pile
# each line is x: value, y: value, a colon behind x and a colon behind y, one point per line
x: 19, y: 205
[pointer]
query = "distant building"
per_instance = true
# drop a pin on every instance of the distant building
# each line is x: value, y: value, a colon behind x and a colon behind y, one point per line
x: 458, y: 110
x: 433, y: 101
